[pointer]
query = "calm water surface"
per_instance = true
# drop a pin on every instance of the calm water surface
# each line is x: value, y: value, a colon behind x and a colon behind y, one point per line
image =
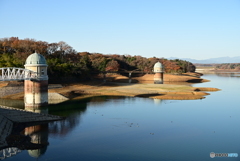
x: 142, y: 129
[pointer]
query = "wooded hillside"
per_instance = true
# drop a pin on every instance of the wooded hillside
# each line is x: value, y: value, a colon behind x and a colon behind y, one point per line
x: 235, y: 66
x: 63, y: 60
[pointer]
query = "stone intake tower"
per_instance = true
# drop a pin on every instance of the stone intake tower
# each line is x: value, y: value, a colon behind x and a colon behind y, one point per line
x: 36, y: 90
x: 158, y: 76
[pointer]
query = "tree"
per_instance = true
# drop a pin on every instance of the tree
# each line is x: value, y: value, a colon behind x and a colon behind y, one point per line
x: 112, y: 66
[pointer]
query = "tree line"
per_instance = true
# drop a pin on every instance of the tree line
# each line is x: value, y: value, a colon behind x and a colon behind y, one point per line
x: 63, y: 60
x: 235, y: 66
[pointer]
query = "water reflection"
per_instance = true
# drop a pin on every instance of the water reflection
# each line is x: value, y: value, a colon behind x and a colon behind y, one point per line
x: 5, y: 130
x: 157, y: 101
x: 8, y: 152
x: 43, y: 110
x: 19, y: 136
x: 39, y: 133
x: 12, y: 103
x: 72, y: 110
x: 39, y: 136
x: 229, y: 74
x: 34, y: 137
x: 135, y: 122
x: 100, y: 100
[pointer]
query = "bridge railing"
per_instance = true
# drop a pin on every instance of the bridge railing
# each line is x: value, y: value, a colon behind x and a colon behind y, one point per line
x: 12, y: 73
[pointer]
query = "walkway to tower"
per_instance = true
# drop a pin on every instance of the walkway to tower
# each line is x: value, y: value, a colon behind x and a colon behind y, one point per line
x: 16, y: 74
x: 23, y: 116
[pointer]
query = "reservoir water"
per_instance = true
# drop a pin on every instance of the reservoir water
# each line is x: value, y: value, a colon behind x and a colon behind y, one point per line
x: 143, y: 129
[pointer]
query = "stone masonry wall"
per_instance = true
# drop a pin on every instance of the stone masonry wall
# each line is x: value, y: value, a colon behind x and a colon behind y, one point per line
x: 4, y: 91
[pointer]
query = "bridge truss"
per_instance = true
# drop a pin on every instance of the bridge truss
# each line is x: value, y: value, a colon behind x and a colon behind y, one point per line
x: 16, y: 74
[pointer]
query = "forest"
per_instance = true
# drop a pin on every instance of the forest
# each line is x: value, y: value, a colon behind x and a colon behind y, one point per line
x: 64, y: 61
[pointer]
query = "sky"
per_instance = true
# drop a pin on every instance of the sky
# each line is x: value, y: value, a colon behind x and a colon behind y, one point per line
x: 197, y: 29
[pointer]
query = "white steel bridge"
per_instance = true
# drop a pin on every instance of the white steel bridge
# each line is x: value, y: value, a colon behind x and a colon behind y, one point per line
x: 16, y: 74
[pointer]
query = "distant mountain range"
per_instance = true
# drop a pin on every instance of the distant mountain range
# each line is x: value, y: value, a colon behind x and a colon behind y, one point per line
x: 218, y: 60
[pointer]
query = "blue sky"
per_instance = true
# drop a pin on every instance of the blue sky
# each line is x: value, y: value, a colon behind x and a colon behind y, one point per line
x: 198, y: 29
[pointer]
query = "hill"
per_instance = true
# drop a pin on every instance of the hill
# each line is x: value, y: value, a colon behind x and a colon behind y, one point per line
x: 218, y: 60
x: 65, y: 62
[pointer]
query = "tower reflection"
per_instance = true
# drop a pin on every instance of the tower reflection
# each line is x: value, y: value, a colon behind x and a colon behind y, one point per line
x: 157, y: 101
x: 38, y: 133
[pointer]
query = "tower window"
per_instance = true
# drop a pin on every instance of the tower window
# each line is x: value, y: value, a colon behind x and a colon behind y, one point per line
x: 42, y: 73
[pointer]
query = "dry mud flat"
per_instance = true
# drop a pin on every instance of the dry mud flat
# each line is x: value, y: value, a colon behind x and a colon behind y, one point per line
x: 114, y: 87
x: 175, y: 87
x: 158, y: 91
x: 188, y: 77
x: 167, y: 78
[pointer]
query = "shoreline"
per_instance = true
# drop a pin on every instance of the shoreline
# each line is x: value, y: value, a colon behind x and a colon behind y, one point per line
x: 179, y: 90
x: 155, y: 91
x: 205, y: 70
